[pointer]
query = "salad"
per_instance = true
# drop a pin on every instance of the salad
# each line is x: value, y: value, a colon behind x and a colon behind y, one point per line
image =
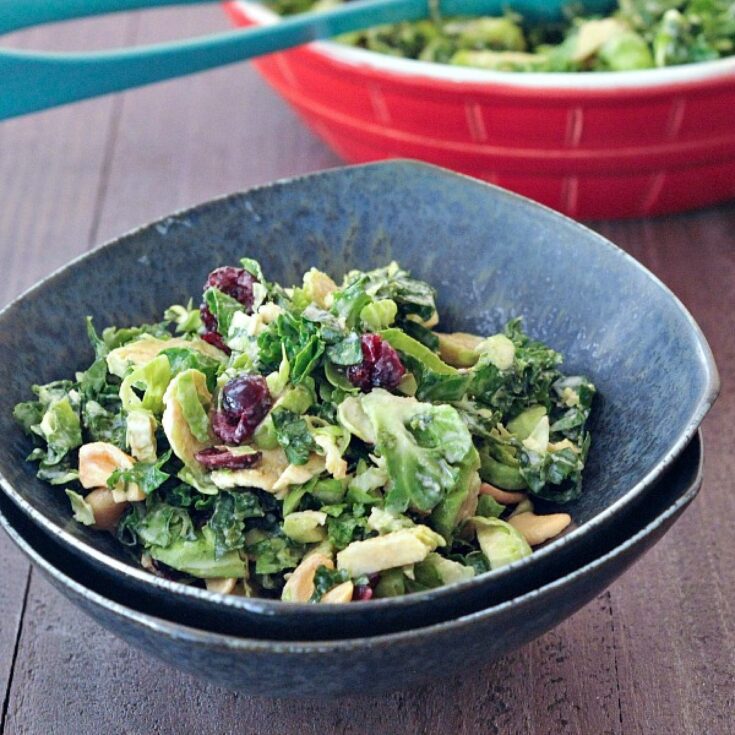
x: 641, y: 34
x: 316, y: 443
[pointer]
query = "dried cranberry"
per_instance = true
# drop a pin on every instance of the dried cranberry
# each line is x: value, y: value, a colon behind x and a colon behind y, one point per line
x: 235, y: 282
x: 245, y: 402
x: 380, y: 367
x: 214, y: 339
x: 219, y: 458
x: 363, y: 592
x: 208, y: 319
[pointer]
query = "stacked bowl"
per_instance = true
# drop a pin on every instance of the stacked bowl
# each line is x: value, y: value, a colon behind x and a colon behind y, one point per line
x: 493, y: 256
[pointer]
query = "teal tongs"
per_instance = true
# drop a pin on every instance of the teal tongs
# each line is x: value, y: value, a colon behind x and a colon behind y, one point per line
x: 32, y: 81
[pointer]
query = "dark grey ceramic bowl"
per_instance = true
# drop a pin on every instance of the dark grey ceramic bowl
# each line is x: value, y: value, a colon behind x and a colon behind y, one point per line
x: 491, y: 254
x: 331, y: 668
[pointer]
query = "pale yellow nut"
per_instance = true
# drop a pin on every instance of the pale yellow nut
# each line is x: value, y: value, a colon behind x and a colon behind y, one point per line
x: 502, y: 496
x: 319, y: 287
x: 525, y: 506
x: 104, y: 508
x: 537, y: 529
x: 300, y: 585
x: 340, y: 594
x: 97, y: 461
x: 221, y: 585
x: 458, y: 348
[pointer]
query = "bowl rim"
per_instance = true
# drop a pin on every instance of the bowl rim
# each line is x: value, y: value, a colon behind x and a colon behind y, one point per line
x: 691, y: 74
x: 265, y: 606
x: 199, y: 636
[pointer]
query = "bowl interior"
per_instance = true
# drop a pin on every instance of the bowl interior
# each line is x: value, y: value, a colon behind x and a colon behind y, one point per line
x: 491, y: 255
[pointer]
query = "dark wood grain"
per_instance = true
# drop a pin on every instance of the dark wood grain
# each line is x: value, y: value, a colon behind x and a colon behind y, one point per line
x: 675, y: 631
x: 556, y: 685
x: 50, y: 170
x: 654, y: 654
x: 186, y: 141
x: 15, y: 580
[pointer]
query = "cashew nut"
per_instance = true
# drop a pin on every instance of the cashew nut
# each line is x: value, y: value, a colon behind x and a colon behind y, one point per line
x: 221, y: 585
x: 502, y: 496
x: 300, y: 585
x: 98, y: 460
x: 537, y: 529
x: 339, y: 594
x: 106, y: 511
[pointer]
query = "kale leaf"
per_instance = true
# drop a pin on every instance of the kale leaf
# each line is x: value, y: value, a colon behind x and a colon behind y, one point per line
x: 292, y: 433
x: 228, y: 520
x: 148, y: 476
x: 325, y: 579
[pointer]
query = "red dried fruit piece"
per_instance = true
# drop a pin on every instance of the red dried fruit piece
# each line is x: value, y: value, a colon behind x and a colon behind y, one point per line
x: 381, y: 367
x: 214, y: 339
x: 363, y: 592
x: 219, y: 458
x: 246, y: 401
x: 235, y: 282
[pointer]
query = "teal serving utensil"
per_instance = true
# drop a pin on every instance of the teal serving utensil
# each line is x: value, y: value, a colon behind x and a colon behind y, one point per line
x: 32, y: 81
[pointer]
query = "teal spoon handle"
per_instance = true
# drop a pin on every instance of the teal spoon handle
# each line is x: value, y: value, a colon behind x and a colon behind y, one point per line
x: 32, y: 81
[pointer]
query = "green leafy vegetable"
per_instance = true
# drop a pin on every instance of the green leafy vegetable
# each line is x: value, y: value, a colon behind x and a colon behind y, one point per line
x: 275, y: 554
x: 325, y: 579
x: 184, y: 358
x: 346, y: 351
x: 437, y: 381
x: 155, y: 523
x: 293, y: 435
x: 299, y: 338
x: 103, y: 425
x: 411, y: 296
x: 148, y: 476
x: 198, y: 558
x: 151, y: 380
x: 385, y: 482
x: 424, y: 446
x: 81, y: 509
x: 61, y: 428
x: 346, y: 528
x: 350, y: 301
x: 640, y: 34
x: 223, y: 308
x: 379, y: 314
x: 501, y: 544
x: 488, y: 507
x: 228, y: 520
x: 187, y: 319
x: 191, y: 404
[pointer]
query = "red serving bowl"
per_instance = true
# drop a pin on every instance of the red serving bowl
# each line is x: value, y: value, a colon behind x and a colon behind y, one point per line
x: 594, y: 145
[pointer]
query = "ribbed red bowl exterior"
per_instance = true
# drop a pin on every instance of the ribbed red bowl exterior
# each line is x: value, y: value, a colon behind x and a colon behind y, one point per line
x: 590, y: 153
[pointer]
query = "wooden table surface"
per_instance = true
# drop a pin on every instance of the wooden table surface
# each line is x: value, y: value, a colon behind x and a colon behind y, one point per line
x: 654, y: 654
